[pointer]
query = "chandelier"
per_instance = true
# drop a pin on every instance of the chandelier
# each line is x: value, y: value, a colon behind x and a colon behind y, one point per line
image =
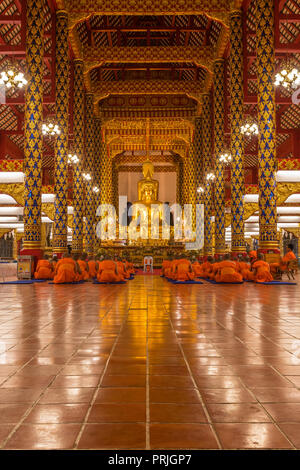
x: 87, y: 176
x: 50, y: 128
x: 12, y: 77
x: 288, y: 77
x: 249, y: 127
x: 225, y: 157
x: 200, y: 189
x: 210, y: 177
x: 96, y: 189
x: 72, y: 159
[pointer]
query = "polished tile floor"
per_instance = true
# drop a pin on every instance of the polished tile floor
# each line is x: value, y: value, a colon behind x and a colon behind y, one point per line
x: 149, y: 365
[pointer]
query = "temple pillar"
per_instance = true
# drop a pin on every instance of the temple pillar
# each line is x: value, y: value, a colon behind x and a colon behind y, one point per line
x: 207, y: 166
x: 219, y: 147
x: 89, y: 168
x: 98, y: 144
x: 265, y: 64
x: 236, y: 121
x: 106, y: 176
x: 198, y: 156
x: 186, y: 175
x: 78, y: 130
x: 192, y: 173
x: 33, y: 139
x: 62, y: 117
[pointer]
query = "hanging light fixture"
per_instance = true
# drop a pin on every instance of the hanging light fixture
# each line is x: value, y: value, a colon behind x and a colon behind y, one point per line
x: 87, y: 176
x: 72, y: 159
x: 289, y: 76
x: 96, y: 189
x: 11, y: 77
x: 50, y: 128
x: 200, y: 189
x: 225, y: 157
x: 249, y: 127
x: 210, y: 177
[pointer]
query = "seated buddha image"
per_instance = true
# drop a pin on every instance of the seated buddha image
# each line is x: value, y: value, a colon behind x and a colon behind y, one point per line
x: 148, y: 187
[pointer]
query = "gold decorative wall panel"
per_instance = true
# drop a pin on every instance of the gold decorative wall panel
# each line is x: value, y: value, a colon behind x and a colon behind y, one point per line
x: 33, y: 142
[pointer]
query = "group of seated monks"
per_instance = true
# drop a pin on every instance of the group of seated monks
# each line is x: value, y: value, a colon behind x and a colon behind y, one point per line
x: 80, y: 267
x: 225, y: 268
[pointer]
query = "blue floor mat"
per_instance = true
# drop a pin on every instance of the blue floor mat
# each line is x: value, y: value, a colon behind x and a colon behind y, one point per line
x: 228, y: 283
x: 41, y: 280
x: 24, y: 281
x: 70, y: 283
x: 110, y: 283
x: 276, y: 283
x: 187, y: 282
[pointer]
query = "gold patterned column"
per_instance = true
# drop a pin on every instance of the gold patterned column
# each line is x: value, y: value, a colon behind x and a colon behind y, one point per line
x: 89, y: 167
x: 219, y: 147
x: 33, y: 145
x: 265, y: 65
x: 236, y: 120
x: 192, y: 173
x: 186, y: 174
x: 62, y: 117
x: 97, y: 169
x: 78, y: 130
x: 207, y: 166
x: 106, y: 176
x: 198, y: 155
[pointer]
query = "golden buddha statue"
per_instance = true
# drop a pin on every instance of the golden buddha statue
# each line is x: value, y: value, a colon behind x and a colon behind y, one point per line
x: 148, y: 187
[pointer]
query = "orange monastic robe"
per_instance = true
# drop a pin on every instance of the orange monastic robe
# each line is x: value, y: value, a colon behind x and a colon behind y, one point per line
x: 253, y: 254
x: 214, y: 270
x: 165, y: 265
x: 197, y: 268
x: 107, y: 272
x: 207, y: 268
x: 244, y: 269
x: 288, y: 257
x: 227, y: 272
x: 171, y: 273
x: 92, y: 268
x: 122, y: 271
x: 43, y: 270
x: 263, y: 273
x: 65, y: 271
x: 129, y: 267
x: 84, y: 276
x: 183, y: 271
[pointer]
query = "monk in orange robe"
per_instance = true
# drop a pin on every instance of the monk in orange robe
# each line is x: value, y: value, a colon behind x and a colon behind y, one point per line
x: 66, y: 270
x: 245, y: 269
x: 227, y: 271
x: 121, y: 269
x: 108, y: 271
x: 261, y: 269
x: 129, y: 266
x: 44, y: 269
x: 92, y: 265
x: 252, y: 255
x: 207, y: 267
x: 183, y: 270
x: 84, y: 267
x: 168, y: 269
x: 283, y: 265
x: 197, y: 268
x: 215, y: 269
x: 166, y: 264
